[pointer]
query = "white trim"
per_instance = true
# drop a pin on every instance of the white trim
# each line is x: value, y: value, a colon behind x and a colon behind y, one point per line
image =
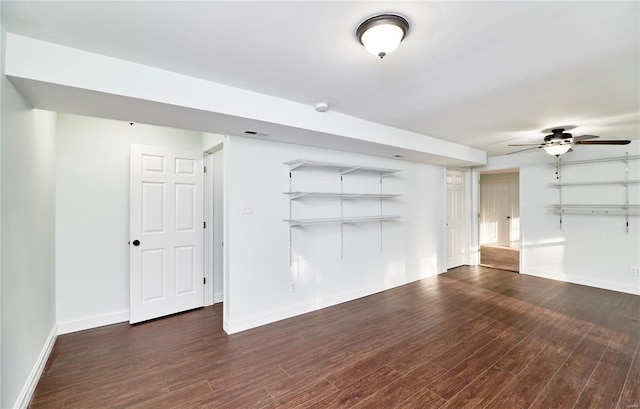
x: 215, y: 148
x: 218, y: 297
x: 93, y: 321
x: 269, y: 317
x: 32, y: 381
x: 209, y: 297
x: 588, y: 281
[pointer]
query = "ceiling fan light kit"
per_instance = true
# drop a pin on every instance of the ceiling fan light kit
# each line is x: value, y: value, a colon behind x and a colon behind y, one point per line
x: 557, y: 149
x: 381, y: 34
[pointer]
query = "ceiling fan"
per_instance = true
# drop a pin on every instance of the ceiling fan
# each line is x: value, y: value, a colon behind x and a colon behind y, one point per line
x: 560, y: 142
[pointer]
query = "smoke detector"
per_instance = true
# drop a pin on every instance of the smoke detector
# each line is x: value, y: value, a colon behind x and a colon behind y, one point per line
x: 322, y: 107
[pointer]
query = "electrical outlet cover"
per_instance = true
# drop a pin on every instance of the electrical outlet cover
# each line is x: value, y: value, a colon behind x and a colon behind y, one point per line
x: 246, y: 208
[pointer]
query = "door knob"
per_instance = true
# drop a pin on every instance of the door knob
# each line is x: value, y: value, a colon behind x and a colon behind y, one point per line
x: 136, y: 242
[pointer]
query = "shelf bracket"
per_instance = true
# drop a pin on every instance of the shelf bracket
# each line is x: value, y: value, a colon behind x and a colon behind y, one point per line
x: 559, y: 179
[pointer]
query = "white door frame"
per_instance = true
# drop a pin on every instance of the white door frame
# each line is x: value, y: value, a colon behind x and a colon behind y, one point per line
x: 475, y: 209
x: 214, y: 233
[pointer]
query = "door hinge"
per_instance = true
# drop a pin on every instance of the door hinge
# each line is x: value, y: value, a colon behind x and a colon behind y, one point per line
x: 204, y: 169
x: 204, y: 280
x: 204, y: 224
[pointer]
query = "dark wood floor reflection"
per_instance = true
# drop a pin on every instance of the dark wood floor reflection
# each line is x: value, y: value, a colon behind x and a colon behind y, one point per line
x: 471, y: 338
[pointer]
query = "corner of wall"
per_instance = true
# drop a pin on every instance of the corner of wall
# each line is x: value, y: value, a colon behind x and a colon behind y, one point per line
x: 24, y: 398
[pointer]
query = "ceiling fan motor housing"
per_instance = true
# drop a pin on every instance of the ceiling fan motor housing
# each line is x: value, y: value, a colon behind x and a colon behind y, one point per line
x: 558, y: 135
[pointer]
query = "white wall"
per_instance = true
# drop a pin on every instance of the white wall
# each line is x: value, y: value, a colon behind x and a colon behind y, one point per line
x: 589, y: 250
x: 92, y: 214
x: 27, y: 244
x: 259, y: 277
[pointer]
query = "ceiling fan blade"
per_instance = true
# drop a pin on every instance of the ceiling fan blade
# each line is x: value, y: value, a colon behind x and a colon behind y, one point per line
x: 583, y: 137
x: 526, y: 144
x: 609, y: 142
x: 522, y: 150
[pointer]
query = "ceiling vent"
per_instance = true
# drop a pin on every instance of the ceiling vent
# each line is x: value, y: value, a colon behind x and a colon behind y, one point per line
x: 255, y: 133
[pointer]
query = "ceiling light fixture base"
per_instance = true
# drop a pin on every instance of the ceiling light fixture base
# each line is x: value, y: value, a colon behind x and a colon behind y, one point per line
x: 381, y: 34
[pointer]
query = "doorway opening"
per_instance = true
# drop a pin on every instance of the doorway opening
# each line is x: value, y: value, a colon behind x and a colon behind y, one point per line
x: 456, y: 221
x: 500, y: 219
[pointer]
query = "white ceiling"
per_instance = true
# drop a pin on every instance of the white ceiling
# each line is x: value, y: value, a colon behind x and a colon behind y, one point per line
x: 483, y: 74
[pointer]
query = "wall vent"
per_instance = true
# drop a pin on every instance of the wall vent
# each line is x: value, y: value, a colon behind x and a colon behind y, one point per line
x: 255, y: 133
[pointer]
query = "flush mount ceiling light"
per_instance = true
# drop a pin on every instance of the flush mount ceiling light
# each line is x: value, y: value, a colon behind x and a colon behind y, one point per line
x: 382, y: 34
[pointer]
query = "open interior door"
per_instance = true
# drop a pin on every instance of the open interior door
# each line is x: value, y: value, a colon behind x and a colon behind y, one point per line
x: 166, y: 232
x: 495, y: 213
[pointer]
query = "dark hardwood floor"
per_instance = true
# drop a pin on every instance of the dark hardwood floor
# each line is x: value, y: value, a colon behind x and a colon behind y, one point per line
x: 471, y: 338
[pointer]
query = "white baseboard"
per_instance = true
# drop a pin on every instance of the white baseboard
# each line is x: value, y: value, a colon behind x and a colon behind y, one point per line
x: 256, y: 320
x: 93, y: 321
x: 34, y: 376
x: 588, y: 281
x: 218, y: 297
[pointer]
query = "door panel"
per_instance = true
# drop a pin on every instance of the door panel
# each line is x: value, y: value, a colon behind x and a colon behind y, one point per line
x: 185, y: 270
x: 152, y: 274
x: 153, y: 207
x: 185, y: 216
x: 166, y: 267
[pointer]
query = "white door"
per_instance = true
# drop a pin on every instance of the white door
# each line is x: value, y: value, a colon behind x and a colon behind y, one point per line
x: 456, y: 237
x: 166, y: 232
x: 495, y: 213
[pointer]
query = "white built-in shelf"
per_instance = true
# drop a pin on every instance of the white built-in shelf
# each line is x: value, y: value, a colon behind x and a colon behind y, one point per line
x: 602, y: 182
x: 339, y: 220
x: 599, y: 160
x: 598, y: 209
x: 342, y: 168
x: 625, y: 209
x: 343, y: 196
x: 338, y: 170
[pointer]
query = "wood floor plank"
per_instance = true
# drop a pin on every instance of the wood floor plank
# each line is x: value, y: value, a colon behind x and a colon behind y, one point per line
x: 175, y: 398
x: 439, y: 346
x: 610, y: 375
x: 528, y: 384
x: 424, y: 399
x: 403, y: 388
x: 305, y: 394
x: 451, y: 358
x: 471, y: 337
x: 463, y: 374
x: 560, y: 393
x: 358, y: 391
x: 481, y: 390
x: 630, y: 394
x: 584, y: 359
